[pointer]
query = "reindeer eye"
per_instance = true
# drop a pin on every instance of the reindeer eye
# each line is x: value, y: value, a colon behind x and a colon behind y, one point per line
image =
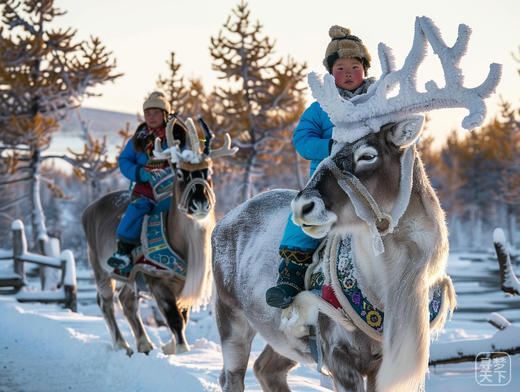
x: 365, y: 155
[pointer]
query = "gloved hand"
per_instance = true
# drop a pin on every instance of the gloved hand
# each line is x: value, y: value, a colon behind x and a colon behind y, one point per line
x: 144, y: 175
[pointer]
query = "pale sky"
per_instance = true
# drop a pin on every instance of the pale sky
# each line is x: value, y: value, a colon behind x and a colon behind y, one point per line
x: 142, y: 34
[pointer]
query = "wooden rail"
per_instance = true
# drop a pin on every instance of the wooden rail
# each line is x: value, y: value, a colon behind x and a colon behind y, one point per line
x: 67, y: 288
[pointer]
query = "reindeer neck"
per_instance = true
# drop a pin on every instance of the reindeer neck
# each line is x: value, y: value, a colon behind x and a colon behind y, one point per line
x: 421, y: 233
x: 184, y: 232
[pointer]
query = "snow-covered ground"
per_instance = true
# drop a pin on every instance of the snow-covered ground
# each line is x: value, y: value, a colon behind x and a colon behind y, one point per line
x: 46, y: 348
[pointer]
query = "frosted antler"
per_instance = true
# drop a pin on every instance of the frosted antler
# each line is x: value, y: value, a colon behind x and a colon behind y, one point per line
x: 194, y: 155
x: 173, y: 151
x: 225, y: 149
x: 194, y: 140
x: 366, y: 113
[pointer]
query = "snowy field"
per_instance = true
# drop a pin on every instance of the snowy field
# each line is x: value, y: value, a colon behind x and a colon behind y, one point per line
x: 45, y: 348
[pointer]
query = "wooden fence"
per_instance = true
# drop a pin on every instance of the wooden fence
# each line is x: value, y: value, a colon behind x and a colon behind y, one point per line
x: 67, y: 288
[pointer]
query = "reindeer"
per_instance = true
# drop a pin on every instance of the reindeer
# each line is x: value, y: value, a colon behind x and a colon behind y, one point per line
x: 372, y: 189
x: 189, y: 222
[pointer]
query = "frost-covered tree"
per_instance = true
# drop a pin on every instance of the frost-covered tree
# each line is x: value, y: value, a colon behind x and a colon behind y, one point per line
x: 476, y: 177
x: 188, y: 98
x: 173, y: 85
x: 261, y: 99
x: 509, y: 184
x: 44, y: 73
x: 448, y: 180
x: 94, y: 163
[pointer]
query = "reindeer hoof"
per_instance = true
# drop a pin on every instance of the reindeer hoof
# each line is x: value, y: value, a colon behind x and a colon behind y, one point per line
x: 146, y: 349
x: 182, y: 348
x: 144, y: 346
x: 124, y: 346
x: 169, y: 348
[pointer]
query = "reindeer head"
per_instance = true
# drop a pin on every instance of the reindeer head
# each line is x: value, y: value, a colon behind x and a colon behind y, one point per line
x: 367, y: 180
x: 192, y: 167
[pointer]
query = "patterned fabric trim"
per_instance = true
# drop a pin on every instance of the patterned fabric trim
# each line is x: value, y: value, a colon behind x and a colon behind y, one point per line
x: 297, y: 256
x: 157, y: 164
x: 291, y: 273
x: 363, y: 313
x: 153, y: 164
x: 159, y: 259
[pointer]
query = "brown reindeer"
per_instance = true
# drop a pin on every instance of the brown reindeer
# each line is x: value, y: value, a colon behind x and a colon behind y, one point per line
x: 189, y: 223
x: 373, y: 190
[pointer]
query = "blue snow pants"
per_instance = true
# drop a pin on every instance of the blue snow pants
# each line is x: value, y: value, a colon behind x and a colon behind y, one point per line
x: 129, y: 229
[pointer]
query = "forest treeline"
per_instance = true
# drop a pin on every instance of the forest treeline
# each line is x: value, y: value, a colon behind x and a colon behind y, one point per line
x: 45, y: 73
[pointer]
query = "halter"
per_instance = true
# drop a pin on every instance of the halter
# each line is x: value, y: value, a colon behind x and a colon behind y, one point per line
x: 193, y: 182
x: 379, y: 222
x: 183, y: 203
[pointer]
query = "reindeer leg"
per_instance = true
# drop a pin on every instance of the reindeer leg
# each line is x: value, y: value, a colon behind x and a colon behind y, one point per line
x: 271, y: 370
x: 236, y: 336
x: 130, y: 305
x: 174, y: 346
x: 105, y: 301
x: 164, y: 294
x: 186, y: 315
x: 349, y: 358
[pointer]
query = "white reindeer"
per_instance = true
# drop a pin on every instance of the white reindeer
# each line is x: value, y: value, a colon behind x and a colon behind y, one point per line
x: 372, y: 189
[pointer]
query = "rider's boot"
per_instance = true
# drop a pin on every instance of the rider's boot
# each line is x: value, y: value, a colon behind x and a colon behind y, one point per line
x: 122, y: 258
x: 291, y: 278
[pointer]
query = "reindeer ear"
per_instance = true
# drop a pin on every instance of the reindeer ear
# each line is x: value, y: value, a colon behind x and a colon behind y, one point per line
x: 406, y: 131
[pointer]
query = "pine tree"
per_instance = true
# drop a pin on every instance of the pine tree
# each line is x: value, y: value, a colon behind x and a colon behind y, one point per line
x: 508, y: 191
x: 94, y: 163
x: 44, y: 73
x: 448, y: 180
x: 477, y: 175
x: 261, y: 99
x: 173, y: 86
x: 187, y: 98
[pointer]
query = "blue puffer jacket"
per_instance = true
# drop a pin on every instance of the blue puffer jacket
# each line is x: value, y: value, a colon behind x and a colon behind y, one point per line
x: 131, y: 161
x: 312, y: 135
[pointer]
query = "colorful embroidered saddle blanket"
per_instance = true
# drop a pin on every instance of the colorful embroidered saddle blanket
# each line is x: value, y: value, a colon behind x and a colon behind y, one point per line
x: 333, y: 278
x: 154, y: 256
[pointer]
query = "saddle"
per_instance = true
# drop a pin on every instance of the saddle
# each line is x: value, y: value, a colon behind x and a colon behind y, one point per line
x: 333, y: 288
x: 154, y: 256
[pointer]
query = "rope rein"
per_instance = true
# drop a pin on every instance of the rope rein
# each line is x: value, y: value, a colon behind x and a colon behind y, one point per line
x: 366, y: 207
x: 349, y: 180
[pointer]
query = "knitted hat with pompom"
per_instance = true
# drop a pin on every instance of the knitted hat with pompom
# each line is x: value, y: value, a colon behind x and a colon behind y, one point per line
x: 157, y: 100
x: 345, y: 45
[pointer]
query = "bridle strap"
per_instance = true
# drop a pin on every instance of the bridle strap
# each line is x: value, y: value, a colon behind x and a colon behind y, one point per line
x: 183, y: 203
x: 380, y: 223
x: 348, y: 181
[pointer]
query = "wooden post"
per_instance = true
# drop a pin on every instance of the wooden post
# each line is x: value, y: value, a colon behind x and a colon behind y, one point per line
x: 498, y: 321
x: 19, y: 247
x: 49, y: 277
x: 508, y: 281
x: 69, y: 280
